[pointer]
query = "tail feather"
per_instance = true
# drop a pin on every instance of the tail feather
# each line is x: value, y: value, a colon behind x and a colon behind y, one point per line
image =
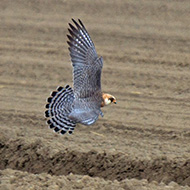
x: 59, y: 107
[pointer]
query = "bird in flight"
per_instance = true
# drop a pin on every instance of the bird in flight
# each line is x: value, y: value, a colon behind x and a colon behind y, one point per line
x: 81, y: 104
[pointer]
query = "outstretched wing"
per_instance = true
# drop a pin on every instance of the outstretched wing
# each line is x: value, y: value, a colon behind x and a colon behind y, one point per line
x: 86, y: 64
x: 87, y: 67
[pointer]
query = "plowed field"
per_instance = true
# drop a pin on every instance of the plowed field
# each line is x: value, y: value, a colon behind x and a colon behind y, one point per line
x: 143, y: 142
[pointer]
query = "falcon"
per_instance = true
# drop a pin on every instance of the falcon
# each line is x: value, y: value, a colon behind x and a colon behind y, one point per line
x: 81, y: 104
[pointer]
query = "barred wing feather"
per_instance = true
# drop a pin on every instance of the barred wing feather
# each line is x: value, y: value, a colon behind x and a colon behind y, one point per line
x: 87, y: 67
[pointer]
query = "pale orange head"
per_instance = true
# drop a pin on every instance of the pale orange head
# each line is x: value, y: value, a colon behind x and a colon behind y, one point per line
x: 108, y: 99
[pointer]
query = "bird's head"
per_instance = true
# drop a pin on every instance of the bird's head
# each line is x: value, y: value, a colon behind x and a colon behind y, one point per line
x: 108, y: 99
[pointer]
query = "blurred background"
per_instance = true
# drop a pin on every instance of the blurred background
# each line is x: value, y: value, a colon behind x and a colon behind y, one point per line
x: 145, y: 46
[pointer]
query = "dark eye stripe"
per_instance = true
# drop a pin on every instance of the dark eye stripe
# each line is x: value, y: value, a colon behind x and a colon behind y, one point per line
x: 112, y: 99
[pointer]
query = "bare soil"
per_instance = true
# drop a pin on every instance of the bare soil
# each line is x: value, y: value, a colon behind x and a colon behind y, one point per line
x: 143, y: 142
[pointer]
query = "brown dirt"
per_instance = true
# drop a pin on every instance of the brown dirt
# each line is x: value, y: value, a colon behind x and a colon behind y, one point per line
x: 143, y: 142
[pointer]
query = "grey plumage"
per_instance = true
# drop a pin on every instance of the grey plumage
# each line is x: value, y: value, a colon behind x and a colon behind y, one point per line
x: 82, y: 104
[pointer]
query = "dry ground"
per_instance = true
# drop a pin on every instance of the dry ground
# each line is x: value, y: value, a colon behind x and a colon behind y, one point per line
x: 143, y: 142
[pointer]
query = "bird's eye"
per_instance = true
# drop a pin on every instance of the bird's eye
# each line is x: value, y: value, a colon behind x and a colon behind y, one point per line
x: 112, y: 99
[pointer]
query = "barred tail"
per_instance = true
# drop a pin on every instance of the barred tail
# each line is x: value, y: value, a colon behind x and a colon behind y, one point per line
x: 58, y: 108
